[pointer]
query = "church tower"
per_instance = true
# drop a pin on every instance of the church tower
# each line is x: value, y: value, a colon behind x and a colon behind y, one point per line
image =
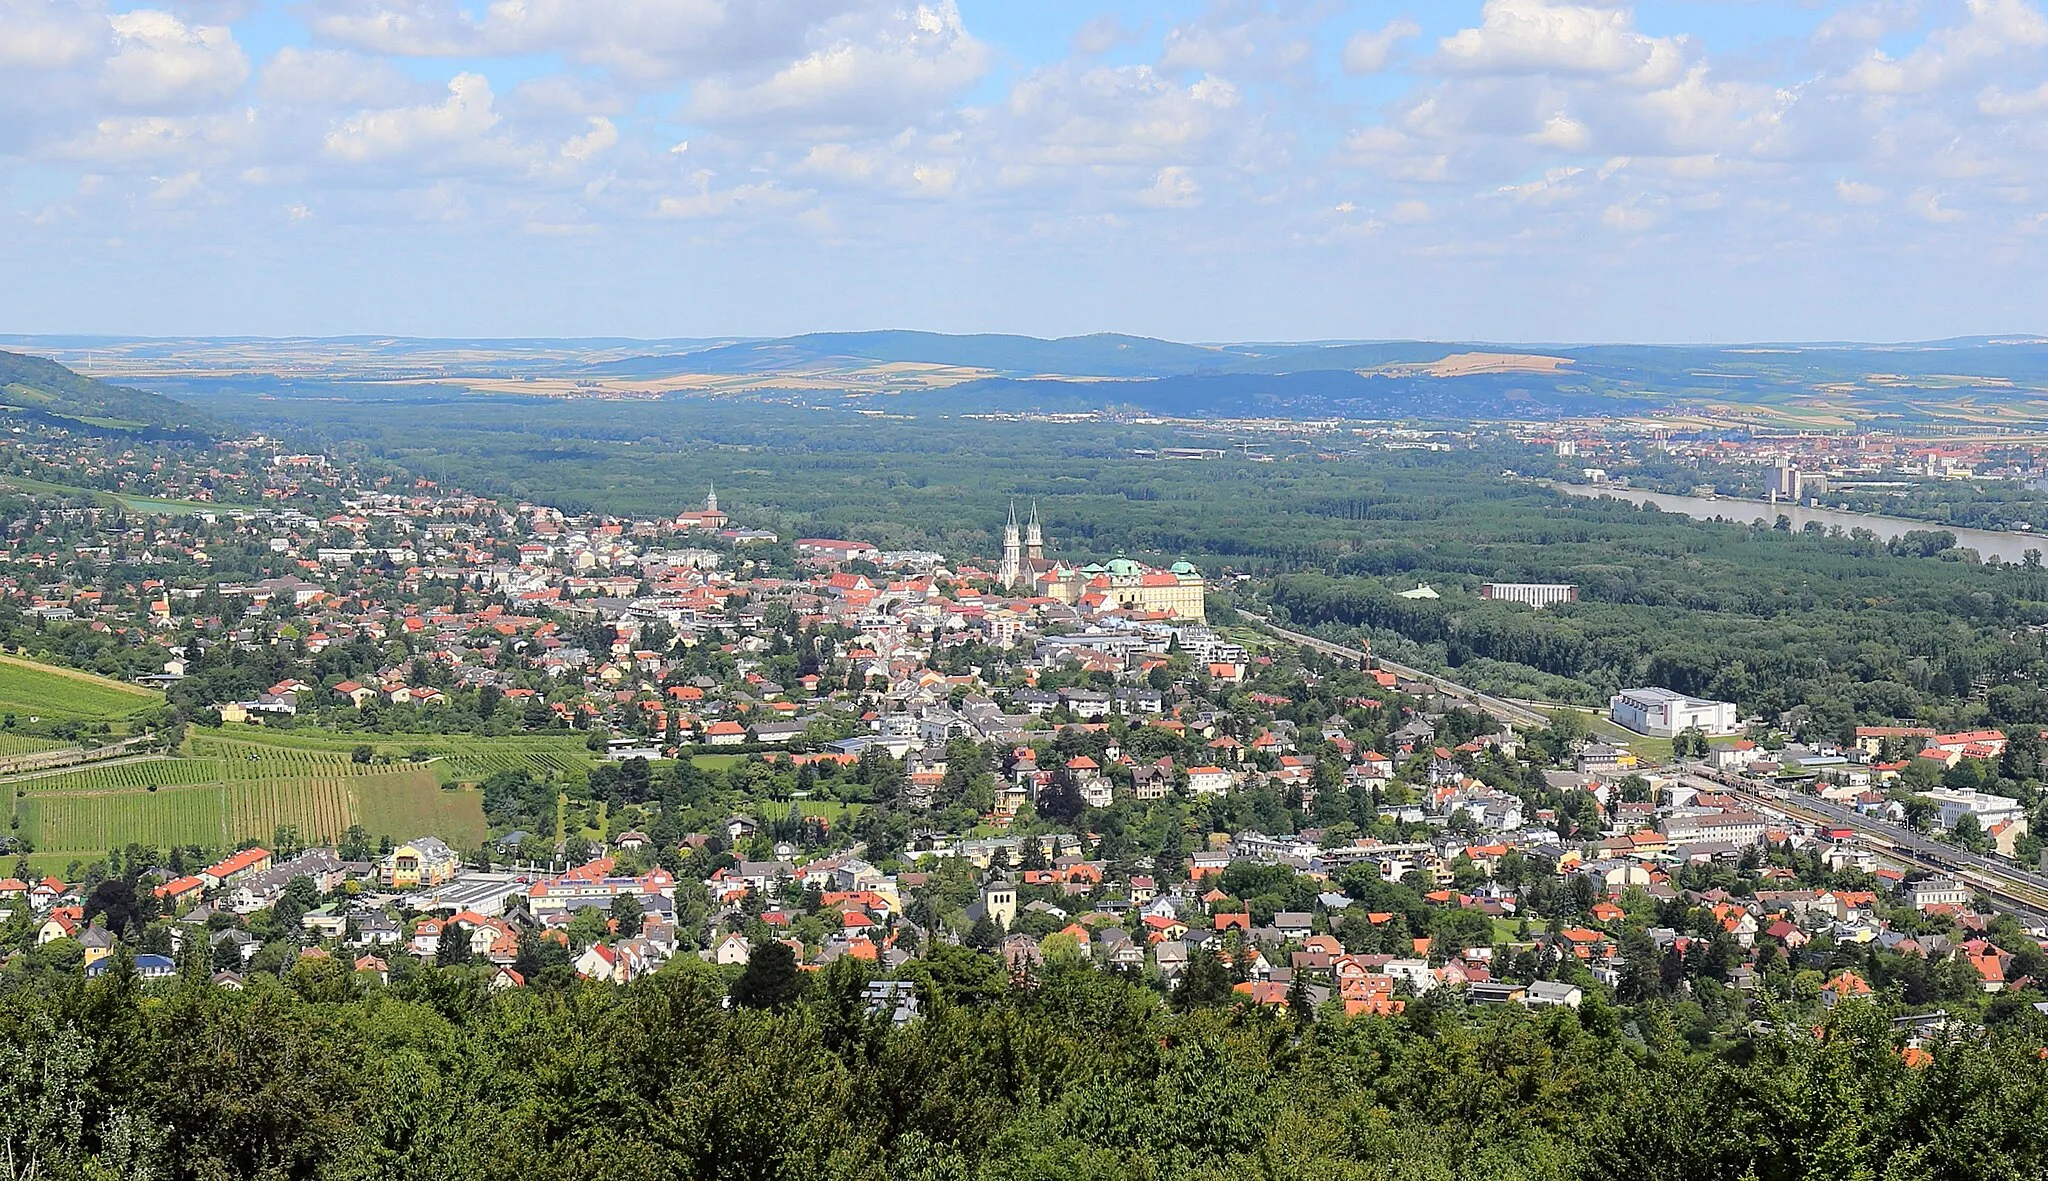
x: 711, y: 501
x: 1034, y: 538
x: 1012, y: 572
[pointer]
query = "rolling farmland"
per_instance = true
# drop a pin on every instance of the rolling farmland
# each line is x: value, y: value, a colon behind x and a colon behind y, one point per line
x: 29, y: 689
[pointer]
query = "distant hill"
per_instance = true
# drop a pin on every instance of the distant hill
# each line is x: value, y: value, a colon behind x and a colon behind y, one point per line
x: 39, y: 387
x: 1100, y: 355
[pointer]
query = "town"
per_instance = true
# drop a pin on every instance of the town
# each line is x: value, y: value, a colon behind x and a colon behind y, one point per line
x: 764, y: 757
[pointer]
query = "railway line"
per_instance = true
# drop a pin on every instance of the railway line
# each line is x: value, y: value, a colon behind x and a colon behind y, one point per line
x: 1500, y: 708
x: 2019, y: 890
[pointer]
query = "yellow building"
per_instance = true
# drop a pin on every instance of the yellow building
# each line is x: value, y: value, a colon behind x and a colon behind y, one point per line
x: 1132, y: 586
x: 420, y: 863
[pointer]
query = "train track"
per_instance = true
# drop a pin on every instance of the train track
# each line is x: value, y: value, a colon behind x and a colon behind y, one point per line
x: 2021, y: 891
x: 1500, y: 708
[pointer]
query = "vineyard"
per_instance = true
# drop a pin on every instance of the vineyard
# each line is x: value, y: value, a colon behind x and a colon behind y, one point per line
x: 234, y: 789
x: 126, y: 775
x: 241, y: 782
x: 453, y: 758
x: 67, y: 826
x: 31, y: 690
x: 13, y: 745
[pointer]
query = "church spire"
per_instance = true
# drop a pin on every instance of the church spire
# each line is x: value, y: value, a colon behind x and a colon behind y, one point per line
x: 1034, y: 537
x: 1012, y: 571
x: 711, y: 500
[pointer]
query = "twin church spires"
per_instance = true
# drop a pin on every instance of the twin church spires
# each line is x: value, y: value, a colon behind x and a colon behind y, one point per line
x: 1022, y: 555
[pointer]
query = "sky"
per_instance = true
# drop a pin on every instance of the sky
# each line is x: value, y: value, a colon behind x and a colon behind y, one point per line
x: 1209, y: 170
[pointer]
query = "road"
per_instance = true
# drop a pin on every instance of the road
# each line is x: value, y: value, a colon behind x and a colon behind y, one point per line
x: 2020, y: 890
x: 1498, y: 707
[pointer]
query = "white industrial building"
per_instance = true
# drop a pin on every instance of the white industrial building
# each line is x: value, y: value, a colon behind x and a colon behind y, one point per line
x: 1662, y: 713
x: 1536, y: 594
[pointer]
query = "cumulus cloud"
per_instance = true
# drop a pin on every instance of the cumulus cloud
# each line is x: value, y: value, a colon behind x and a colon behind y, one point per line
x: 449, y: 129
x: 876, y: 76
x: 1121, y: 117
x: 1173, y: 188
x: 704, y: 200
x: 1101, y: 35
x: 1369, y: 50
x: 1989, y: 29
x: 330, y: 79
x: 1539, y: 37
x: 1520, y: 127
x: 50, y: 34
x: 159, y: 61
x: 647, y: 41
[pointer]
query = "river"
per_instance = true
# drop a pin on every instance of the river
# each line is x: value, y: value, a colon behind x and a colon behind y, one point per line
x: 2008, y: 547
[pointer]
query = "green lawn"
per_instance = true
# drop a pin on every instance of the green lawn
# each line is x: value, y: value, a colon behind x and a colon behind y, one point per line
x: 32, y: 690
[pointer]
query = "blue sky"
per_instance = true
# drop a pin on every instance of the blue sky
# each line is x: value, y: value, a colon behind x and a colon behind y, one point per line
x: 1513, y: 170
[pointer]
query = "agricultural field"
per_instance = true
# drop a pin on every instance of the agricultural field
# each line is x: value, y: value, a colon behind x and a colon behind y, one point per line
x: 238, y: 787
x: 453, y: 758
x: 410, y: 803
x: 32, y: 690
x: 400, y: 803
x: 13, y: 745
x: 138, y: 774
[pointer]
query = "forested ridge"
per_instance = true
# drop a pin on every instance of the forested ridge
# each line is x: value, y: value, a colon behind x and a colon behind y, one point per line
x: 1072, y: 1075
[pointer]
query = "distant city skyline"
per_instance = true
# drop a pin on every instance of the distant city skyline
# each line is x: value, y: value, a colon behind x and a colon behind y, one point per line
x: 1231, y: 170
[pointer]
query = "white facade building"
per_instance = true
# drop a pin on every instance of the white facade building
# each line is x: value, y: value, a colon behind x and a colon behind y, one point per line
x: 1662, y: 713
x: 1535, y: 594
x: 1989, y: 809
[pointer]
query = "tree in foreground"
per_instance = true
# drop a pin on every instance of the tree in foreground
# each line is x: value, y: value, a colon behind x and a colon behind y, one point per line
x: 771, y: 979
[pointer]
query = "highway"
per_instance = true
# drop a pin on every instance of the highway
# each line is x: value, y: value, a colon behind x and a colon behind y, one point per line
x: 2020, y: 890
x: 1500, y: 708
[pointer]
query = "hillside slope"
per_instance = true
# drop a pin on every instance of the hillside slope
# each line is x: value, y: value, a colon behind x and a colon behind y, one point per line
x: 38, y: 386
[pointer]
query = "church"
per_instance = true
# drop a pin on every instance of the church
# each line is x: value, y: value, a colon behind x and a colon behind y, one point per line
x: 1123, y: 584
x: 710, y: 518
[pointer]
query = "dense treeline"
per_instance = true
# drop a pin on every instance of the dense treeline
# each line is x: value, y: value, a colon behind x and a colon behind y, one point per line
x: 1073, y: 1074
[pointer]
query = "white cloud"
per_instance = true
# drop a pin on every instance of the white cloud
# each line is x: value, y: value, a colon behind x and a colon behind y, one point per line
x: 650, y: 42
x: 1172, y: 188
x: 1101, y: 35
x: 1927, y: 203
x: 1627, y: 217
x: 877, y: 77
x: 328, y: 78
x: 50, y: 34
x: 1563, y: 132
x: 450, y: 126
x: 602, y: 137
x: 1234, y: 38
x: 1369, y: 50
x: 704, y: 201
x: 1127, y: 118
x: 171, y: 192
x: 1990, y: 29
x: 2002, y: 104
x: 159, y: 62
x: 1855, y: 192
x: 1540, y: 37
